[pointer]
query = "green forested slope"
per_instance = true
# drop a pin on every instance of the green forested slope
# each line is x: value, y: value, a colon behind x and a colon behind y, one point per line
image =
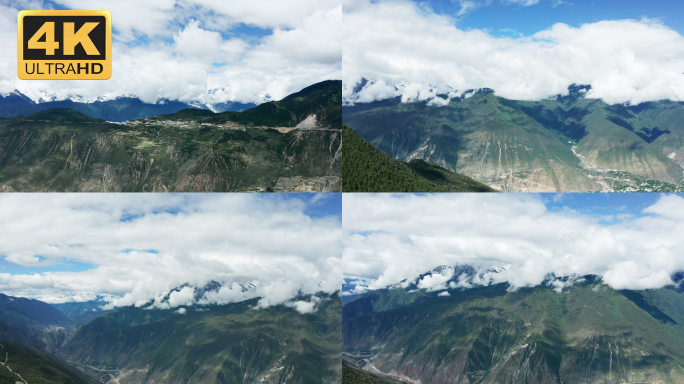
x: 452, y: 181
x: 353, y: 375
x: 367, y: 169
x: 36, y: 367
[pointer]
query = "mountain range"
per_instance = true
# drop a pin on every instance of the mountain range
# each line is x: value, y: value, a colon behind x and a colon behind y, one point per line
x: 119, y: 109
x: 188, y: 344
x: 293, y: 144
x: 561, y: 144
x: 569, y: 329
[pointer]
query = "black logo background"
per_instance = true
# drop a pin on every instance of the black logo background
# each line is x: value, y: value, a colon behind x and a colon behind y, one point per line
x: 98, y: 36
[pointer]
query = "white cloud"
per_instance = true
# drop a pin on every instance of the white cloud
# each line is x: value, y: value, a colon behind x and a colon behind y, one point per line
x: 436, y: 281
x: 408, y: 51
x: 131, y: 18
x: 263, y: 13
x: 461, y: 282
x: 668, y: 206
x: 629, y: 275
x: 196, y: 42
x: 226, y: 294
x: 389, y: 238
x: 194, y: 50
x: 137, y: 248
x: 303, y: 306
x: 525, y: 3
x: 359, y: 289
x: 181, y: 311
x: 444, y: 294
x: 558, y: 284
x: 183, y: 297
x: 466, y: 7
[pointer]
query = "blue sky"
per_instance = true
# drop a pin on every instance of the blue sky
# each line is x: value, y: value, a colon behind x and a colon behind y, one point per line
x: 65, y: 265
x: 316, y: 205
x: 608, y: 207
x: 508, y: 18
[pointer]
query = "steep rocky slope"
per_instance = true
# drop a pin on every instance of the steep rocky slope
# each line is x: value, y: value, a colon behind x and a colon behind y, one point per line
x: 565, y: 143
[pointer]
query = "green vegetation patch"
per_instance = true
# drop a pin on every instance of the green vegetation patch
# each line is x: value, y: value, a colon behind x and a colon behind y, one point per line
x: 367, y: 169
x: 37, y: 367
x: 353, y: 375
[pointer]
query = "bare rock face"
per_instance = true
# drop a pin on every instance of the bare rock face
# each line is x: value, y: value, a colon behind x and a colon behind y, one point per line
x: 308, y: 123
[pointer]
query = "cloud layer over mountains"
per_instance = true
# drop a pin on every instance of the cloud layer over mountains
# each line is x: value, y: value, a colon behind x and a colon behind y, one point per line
x: 388, y: 238
x: 135, y: 249
x: 404, y: 49
x: 196, y: 50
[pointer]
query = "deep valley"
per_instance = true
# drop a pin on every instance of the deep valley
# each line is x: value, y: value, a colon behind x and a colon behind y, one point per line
x: 562, y: 144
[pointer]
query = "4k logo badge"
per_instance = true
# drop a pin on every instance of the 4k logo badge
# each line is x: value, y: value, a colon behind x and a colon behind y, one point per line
x: 64, y: 45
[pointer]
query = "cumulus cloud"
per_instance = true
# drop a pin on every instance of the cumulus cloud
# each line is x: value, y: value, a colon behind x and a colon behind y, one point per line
x: 195, y: 42
x: 227, y: 294
x: 507, y: 238
x: 436, y: 281
x: 559, y: 284
x: 461, y: 282
x: 304, y: 306
x: 135, y: 249
x: 197, y: 50
x: 183, y: 297
x: 359, y: 289
x: 405, y: 50
x: 359, y: 286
